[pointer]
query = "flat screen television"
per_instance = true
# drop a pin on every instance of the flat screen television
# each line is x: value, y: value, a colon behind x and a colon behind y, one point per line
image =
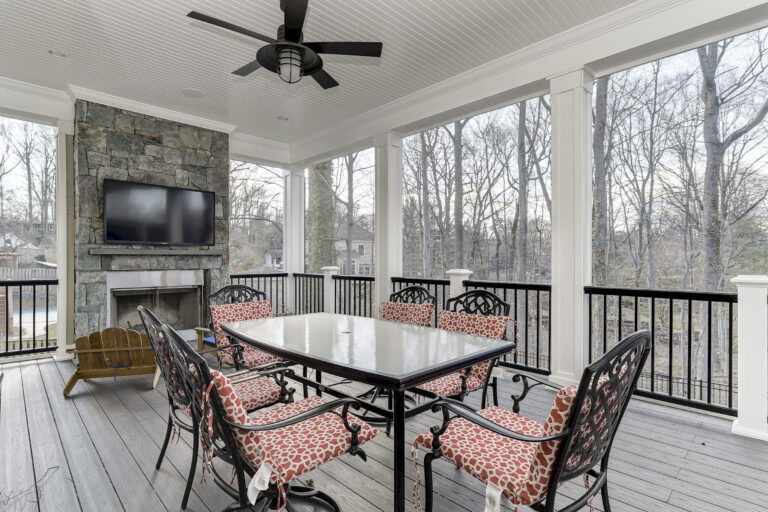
x: 136, y: 213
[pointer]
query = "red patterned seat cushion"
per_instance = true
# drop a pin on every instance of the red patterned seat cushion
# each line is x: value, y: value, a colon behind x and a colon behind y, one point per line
x: 520, y: 469
x: 294, y: 450
x: 239, y: 312
x: 450, y: 385
x: 254, y: 393
x: 494, y: 327
x: 405, y: 313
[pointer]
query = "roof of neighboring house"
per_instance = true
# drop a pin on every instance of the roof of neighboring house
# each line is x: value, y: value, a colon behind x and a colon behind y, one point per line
x: 13, y: 241
x: 358, y: 234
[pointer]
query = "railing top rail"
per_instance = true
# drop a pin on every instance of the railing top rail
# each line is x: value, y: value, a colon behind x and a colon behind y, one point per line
x: 663, y: 294
x: 509, y: 285
x: 354, y: 278
x: 264, y: 274
x: 306, y: 274
x: 420, y: 280
x: 29, y: 282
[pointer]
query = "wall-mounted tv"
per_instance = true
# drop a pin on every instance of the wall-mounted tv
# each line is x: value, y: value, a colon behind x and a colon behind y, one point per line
x: 136, y: 213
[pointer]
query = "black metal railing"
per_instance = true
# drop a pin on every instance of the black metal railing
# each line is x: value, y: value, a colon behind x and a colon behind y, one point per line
x: 28, y: 318
x: 531, y: 310
x: 308, y: 295
x: 440, y: 288
x: 354, y: 295
x: 693, y: 354
x: 272, y: 283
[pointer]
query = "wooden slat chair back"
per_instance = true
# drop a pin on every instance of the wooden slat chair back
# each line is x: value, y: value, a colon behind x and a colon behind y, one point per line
x: 113, y: 352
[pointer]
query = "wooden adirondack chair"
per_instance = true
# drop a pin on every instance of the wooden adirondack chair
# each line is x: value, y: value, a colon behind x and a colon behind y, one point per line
x: 113, y: 352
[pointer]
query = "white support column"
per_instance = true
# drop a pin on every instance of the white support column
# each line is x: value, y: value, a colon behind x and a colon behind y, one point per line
x: 329, y: 295
x: 388, y: 213
x: 457, y: 276
x: 293, y: 229
x: 571, y: 221
x: 63, y: 240
x: 752, y: 357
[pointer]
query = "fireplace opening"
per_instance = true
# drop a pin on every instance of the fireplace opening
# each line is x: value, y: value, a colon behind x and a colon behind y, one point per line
x: 178, y: 306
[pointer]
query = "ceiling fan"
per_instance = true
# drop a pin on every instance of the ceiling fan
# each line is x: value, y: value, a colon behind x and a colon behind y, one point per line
x: 287, y: 54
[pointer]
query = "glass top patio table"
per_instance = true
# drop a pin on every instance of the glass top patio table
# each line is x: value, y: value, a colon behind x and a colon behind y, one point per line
x: 368, y: 350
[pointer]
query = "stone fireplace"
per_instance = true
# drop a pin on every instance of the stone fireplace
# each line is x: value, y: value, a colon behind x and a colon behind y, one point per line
x: 112, y: 280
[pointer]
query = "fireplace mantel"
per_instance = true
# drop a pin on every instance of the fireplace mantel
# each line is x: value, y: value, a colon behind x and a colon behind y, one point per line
x: 155, y: 252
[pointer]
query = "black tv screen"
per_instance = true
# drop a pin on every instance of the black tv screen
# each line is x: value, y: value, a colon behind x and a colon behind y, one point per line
x: 136, y: 213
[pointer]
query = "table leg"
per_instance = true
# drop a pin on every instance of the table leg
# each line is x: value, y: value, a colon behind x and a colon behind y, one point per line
x: 319, y: 380
x: 398, y: 418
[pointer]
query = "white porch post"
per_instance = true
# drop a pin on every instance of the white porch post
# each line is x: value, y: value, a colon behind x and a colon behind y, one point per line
x: 571, y: 221
x: 293, y: 230
x: 63, y: 185
x: 752, y: 357
x: 329, y: 295
x: 457, y: 276
x: 388, y: 213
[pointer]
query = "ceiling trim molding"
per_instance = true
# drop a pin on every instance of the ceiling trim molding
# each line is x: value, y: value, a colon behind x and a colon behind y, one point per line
x: 250, y: 148
x: 34, y: 102
x: 76, y: 92
x: 513, y: 76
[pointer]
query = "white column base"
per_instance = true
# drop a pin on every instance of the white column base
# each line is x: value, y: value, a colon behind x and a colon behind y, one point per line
x: 62, y: 356
x: 760, y: 434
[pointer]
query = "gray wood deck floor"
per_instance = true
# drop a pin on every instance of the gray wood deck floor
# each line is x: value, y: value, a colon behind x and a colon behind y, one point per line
x: 96, y: 452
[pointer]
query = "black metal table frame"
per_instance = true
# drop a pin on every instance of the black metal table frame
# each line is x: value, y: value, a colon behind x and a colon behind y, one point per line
x: 398, y: 387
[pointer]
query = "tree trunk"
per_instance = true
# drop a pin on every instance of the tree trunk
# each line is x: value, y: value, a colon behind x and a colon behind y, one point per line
x: 426, y: 231
x: 350, y: 161
x: 521, y: 248
x: 458, y: 176
x: 600, y: 211
x: 320, y: 217
x: 708, y: 57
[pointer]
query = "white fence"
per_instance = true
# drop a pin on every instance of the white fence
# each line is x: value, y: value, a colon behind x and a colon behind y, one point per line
x: 23, y: 274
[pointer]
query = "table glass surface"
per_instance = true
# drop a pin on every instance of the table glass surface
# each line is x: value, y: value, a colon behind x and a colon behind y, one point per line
x: 365, y: 344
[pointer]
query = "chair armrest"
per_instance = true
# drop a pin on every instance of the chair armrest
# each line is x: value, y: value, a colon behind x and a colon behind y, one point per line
x: 462, y: 410
x: 306, y: 415
x: 527, y: 387
x: 203, y: 330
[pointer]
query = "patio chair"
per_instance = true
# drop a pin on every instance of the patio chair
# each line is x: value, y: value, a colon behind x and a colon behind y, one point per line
x: 277, y: 446
x: 255, y: 391
x: 478, y: 312
x: 235, y: 303
x: 524, y: 460
x: 411, y: 305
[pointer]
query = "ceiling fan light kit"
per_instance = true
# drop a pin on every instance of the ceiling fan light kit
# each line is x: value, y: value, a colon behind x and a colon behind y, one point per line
x: 288, y: 55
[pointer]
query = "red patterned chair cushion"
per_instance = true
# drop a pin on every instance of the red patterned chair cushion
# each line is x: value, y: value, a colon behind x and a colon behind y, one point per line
x: 480, y: 325
x: 290, y: 451
x: 239, y: 312
x: 520, y: 469
x: 254, y: 393
x: 405, y: 313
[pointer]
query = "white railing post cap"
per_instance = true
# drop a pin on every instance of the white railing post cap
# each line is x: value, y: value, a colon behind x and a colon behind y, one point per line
x: 459, y: 272
x: 753, y: 281
x: 331, y: 269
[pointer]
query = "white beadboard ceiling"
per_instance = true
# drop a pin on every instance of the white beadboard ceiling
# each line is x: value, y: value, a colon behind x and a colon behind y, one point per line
x: 148, y: 51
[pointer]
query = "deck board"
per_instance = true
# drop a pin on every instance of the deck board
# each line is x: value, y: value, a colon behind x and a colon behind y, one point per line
x: 108, y: 435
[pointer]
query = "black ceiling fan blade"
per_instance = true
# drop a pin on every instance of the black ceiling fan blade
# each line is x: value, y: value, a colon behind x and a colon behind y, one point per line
x: 295, y: 13
x: 247, y: 69
x: 347, y: 48
x: 229, y: 26
x: 325, y: 80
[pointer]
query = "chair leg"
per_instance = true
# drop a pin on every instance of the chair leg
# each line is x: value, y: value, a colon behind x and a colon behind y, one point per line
x: 428, y: 458
x: 389, y: 406
x: 192, y: 466
x: 496, y: 392
x: 304, y: 373
x: 165, y: 443
x: 604, y: 494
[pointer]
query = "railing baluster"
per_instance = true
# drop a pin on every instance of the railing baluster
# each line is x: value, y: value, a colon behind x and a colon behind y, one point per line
x: 669, y: 342
x: 709, y: 352
x: 690, y: 316
x: 730, y: 355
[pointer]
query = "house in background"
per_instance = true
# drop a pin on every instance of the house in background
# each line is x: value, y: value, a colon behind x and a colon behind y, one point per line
x: 273, y: 258
x: 362, y: 251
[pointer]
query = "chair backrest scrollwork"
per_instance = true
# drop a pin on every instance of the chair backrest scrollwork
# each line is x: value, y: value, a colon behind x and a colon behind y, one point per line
x: 164, y: 355
x: 235, y: 294
x: 601, y: 400
x: 478, y: 302
x: 413, y: 295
